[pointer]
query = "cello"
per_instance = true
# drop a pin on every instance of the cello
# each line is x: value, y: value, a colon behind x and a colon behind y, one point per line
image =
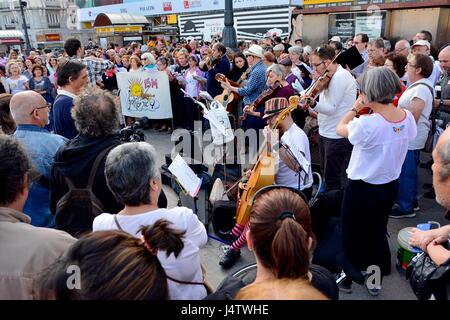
x: 263, y: 172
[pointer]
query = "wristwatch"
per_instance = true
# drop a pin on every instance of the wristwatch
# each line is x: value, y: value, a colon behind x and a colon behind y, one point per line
x: 354, y: 110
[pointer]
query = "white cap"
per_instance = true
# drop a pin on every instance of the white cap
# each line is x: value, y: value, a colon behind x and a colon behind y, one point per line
x: 422, y: 43
x: 335, y: 38
x: 254, y: 50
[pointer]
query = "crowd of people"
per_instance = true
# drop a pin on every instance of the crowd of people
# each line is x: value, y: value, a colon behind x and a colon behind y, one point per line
x: 72, y: 193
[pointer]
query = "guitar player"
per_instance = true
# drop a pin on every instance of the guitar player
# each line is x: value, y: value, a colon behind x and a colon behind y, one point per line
x: 254, y: 86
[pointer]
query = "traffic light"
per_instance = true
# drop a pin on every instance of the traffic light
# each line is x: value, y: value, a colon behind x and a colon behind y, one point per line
x: 23, y: 3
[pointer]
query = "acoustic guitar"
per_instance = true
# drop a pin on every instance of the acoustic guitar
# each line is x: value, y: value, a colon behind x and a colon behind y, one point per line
x: 226, y: 98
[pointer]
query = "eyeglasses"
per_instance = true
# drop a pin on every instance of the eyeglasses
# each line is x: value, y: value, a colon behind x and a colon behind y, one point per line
x: 316, y: 65
x: 411, y: 65
x: 47, y: 105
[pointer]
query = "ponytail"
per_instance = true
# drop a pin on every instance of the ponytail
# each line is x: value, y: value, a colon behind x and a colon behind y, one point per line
x: 289, y: 250
x: 160, y: 236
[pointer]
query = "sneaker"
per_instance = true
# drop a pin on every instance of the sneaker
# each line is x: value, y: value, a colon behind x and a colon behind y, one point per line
x: 229, y: 258
x: 416, y: 207
x: 397, y: 214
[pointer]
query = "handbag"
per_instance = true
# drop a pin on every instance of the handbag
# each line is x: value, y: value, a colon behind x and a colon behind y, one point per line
x: 424, y: 275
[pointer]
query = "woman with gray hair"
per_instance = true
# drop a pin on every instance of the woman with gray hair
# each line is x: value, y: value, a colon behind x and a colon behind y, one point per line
x: 132, y: 175
x: 380, y: 143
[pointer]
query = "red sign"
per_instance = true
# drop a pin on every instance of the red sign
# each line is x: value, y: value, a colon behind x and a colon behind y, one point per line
x: 10, y: 41
x: 53, y: 37
x: 167, y: 6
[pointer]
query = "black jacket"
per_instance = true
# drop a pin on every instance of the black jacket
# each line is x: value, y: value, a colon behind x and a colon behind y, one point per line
x: 75, y: 160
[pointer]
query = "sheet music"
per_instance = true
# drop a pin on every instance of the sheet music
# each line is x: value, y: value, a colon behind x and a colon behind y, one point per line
x: 185, y: 176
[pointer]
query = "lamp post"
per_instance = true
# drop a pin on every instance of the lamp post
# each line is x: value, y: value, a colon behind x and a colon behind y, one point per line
x: 25, y: 29
x: 229, y: 33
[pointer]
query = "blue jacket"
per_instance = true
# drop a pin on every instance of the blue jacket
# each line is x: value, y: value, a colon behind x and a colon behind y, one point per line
x: 255, y: 84
x: 41, y: 146
x: 63, y: 122
x: 212, y: 85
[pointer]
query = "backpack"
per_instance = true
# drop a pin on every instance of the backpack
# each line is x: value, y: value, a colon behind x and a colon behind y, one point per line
x: 76, y: 210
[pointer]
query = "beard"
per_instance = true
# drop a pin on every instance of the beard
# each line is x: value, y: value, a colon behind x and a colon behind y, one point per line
x: 443, y: 201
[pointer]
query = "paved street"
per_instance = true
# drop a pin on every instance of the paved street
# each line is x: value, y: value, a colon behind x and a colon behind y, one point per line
x: 394, y: 286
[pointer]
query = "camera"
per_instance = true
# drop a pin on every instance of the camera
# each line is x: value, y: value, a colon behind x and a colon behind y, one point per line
x: 134, y: 132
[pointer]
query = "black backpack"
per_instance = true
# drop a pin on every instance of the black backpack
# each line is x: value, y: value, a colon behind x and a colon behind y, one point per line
x: 76, y: 210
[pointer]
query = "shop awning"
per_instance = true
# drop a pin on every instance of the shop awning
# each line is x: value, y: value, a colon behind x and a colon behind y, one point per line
x: 11, y: 37
x: 112, y: 19
x: 11, y: 34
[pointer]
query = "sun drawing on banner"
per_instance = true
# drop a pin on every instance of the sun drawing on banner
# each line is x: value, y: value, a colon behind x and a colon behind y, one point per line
x: 136, y: 88
x: 138, y: 100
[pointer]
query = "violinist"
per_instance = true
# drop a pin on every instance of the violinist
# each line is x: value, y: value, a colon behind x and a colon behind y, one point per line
x: 277, y: 87
x: 336, y: 98
x: 255, y: 84
x: 289, y: 171
x: 238, y: 69
x: 217, y: 63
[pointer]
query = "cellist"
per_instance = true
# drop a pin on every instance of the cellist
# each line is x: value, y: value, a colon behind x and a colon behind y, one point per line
x: 292, y: 165
x: 335, y: 100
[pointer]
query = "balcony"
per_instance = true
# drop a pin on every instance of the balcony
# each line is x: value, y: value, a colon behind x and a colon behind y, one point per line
x: 54, y: 25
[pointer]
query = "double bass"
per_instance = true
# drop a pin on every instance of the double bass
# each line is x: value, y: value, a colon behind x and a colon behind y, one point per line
x: 263, y: 172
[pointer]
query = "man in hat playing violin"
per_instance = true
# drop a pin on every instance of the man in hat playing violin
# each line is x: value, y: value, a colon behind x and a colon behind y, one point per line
x: 293, y: 160
x: 336, y: 90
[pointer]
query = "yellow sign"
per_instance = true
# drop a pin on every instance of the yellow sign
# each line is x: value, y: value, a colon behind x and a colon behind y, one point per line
x: 104, y: 30
x: 313, y: 2
x: 87, y: 25
x: 172, y: 19
x: 123, y: 29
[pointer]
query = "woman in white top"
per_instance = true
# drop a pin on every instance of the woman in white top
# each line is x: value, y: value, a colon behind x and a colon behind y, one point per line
x: 380, y: 143
x: 133, y: 177
x: 16, y: 81
x: 135, y: 64
x: 418, y: 98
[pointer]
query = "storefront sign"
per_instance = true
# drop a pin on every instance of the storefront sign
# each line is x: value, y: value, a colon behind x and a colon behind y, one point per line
x: 89, y: 11
x: 128, y: 29
x: 53, y: 37
x: 104, y: 30
x: 40, y: 38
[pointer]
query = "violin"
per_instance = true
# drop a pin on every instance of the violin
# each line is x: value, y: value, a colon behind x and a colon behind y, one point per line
x: 267, y: 93
x: 318, y: 85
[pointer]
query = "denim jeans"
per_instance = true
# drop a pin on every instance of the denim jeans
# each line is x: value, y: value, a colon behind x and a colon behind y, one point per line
x: 409, y: 182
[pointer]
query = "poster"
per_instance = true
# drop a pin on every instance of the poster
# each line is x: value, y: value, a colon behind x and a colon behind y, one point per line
x: 213, y: 28
x: 370, y: 25
x: 145, y: 94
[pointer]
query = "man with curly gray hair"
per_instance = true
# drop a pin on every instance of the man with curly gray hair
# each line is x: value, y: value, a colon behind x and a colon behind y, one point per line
x: 96, y: 118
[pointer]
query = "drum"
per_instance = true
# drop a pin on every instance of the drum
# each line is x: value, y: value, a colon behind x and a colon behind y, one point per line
x: 405, y: 252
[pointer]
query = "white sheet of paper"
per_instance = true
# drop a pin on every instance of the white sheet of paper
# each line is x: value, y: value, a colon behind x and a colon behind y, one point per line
x: 185, y: 176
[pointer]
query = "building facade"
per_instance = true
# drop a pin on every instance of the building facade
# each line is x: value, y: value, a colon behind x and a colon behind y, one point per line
x: 322, y: 19
x: 49, y: 22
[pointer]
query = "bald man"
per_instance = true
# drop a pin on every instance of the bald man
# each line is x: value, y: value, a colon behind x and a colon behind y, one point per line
x: 402, y: 47
x: 30, y: 112
x: 444, y: 82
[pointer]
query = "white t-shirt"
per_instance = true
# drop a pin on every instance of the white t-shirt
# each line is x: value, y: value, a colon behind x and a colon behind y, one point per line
x: 335, y: 102
x: 187, y: 266
x: 379, y: 147
x: 17, y: 85
x: 297, y: 140
x: 423, y: 125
